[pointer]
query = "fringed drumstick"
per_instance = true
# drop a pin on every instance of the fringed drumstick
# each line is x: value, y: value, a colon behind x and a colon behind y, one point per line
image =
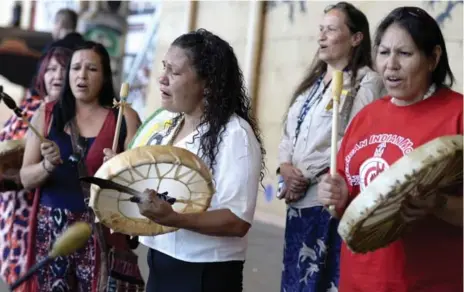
x: 71, y: 240
x: 111, y: 185
x: 11, y: 104
x: 121, y: 104
x: 337, y: 85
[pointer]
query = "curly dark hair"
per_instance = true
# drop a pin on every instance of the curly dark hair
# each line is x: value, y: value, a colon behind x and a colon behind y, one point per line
x: 215, y: 62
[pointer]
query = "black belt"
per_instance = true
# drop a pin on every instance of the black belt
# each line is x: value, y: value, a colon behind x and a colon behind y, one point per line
x: 316, y: 179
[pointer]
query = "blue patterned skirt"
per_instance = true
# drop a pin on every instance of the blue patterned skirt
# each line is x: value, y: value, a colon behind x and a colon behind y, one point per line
x: 311, y: 260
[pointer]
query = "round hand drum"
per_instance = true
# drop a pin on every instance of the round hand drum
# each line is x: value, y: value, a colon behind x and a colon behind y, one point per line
x: 11, y: 154
x: 373, y: 219
x: 162, y: 168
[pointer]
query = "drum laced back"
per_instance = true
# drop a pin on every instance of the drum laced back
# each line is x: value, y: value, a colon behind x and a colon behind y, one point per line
x: 373, y: 219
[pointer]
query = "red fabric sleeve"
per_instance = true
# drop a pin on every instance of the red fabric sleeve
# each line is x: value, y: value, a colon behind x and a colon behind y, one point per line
x: 460, y: 126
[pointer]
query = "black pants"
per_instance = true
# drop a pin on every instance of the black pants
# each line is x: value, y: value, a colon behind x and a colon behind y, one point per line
x: 168, y: 274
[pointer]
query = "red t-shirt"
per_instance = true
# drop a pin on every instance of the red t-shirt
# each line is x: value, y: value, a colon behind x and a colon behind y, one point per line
x: 429, y: 257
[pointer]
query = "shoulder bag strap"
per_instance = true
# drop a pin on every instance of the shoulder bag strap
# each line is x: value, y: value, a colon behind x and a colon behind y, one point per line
x: 79, y: 149
x: 345, y: 115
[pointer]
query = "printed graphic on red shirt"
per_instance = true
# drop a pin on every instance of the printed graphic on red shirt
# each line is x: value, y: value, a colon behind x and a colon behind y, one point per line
x: 376, y: 164
x: 372, y: 167
x: 429, y: 257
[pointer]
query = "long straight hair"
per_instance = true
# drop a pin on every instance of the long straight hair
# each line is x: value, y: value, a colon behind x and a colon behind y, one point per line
x: 65, y: 109
x: 360, y: 55
x: 426, y: 34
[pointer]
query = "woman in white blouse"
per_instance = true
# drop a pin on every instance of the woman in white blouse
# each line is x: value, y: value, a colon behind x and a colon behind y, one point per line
x: 312, y: 244
x: 203, y: 83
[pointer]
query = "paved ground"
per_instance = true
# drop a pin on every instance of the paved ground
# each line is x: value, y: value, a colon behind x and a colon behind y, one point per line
x: 263, y: 266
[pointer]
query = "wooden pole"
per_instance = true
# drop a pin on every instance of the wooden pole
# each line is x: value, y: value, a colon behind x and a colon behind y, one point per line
x: 192, y: 11
x: 32, y: 15
x: 254, y: 49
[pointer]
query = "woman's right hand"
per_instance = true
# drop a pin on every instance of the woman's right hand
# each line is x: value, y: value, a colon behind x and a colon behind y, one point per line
x: 332, y: 191
x: 51, y: 153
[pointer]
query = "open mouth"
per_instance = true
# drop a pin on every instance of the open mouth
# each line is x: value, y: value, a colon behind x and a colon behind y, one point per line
x: 82, y: 86
x: 322, y: 47
x: 393, y: 79
x: 164, y: 93
x: 57, y: 84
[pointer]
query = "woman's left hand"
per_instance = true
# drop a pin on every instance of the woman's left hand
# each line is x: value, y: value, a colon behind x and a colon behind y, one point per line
x: 155, y: 209
x: 418, y: 208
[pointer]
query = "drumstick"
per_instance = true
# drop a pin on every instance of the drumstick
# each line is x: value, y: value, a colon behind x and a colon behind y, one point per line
x: 182, y: 201
x: 337, y: 85
x: 72, y: 239
x: 123, y: 95
x: 11, y: 104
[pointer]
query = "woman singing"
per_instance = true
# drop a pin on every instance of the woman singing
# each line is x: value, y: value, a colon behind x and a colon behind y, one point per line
x: 304, y: 152
x: 16, y: 203
x: 202, y: 83
x: 420, y: 106
x: 78, y: 127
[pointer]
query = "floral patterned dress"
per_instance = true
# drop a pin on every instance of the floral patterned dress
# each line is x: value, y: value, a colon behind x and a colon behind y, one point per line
x: 15, y: 206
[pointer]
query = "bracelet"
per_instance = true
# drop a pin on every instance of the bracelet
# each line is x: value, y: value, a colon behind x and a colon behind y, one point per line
x: 44, y: 167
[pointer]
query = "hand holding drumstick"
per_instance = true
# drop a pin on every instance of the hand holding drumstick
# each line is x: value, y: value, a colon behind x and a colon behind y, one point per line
x: 51, y: 154
x: 49, y: 150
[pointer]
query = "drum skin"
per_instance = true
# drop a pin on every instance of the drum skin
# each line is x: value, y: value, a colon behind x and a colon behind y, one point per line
x: 372, y: 220
x: 162, y: 168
